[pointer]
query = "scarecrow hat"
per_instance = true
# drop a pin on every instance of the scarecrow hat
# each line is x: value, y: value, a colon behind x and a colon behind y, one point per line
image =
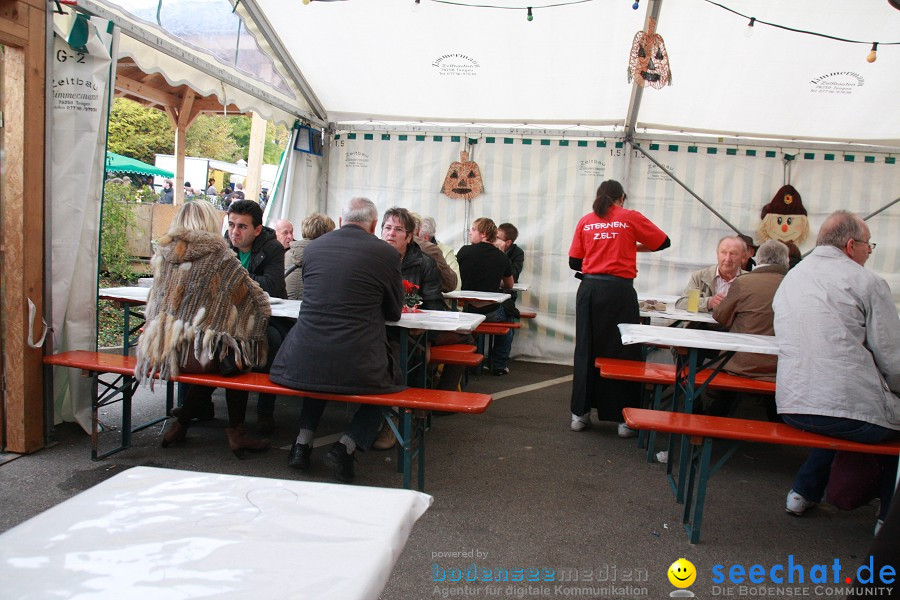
x: 786, y: 202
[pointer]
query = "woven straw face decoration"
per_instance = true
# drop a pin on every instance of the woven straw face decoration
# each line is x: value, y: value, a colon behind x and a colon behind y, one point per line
x: 649, y: 61
x: 463, y: 180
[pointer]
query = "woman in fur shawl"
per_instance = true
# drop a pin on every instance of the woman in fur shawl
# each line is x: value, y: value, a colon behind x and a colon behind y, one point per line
x: 204, y: 315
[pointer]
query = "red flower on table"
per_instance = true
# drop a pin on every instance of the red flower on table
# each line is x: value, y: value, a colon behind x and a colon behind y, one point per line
x: 410, y: 298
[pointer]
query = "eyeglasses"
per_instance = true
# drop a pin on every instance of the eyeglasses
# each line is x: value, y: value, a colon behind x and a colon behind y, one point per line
x: 869, y: 244
x: 389, y: 228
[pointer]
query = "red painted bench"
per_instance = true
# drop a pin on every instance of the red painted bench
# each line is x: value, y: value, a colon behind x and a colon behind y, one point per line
x: 703, y: 430
x: 443, y: 355
x: 527, y: 314
x: 414, y: 404
x: 660, y: 374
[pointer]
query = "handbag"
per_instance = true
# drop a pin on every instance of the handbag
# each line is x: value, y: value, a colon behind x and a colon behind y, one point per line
x: 855, y: 479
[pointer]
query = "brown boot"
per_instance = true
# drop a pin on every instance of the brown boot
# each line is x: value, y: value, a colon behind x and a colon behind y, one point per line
x: 175, y: 434
x: 240, y: 441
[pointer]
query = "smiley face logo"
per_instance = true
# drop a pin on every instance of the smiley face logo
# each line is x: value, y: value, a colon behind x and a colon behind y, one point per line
x: 682, y: 573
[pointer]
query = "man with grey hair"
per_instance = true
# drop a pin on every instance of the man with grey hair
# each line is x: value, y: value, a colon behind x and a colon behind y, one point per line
x: 449, y: 276
x: 748, y: 309
x: 838, y: 355
x: 714, y: 282
x: 351, y: 287
x: 427, y: 230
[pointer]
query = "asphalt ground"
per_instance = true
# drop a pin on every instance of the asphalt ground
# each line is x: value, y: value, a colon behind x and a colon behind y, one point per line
x: 516, y: 490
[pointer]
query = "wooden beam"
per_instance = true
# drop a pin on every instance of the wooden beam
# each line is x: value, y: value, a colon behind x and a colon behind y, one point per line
x: 146, y: 92
x: 22, y: 223
x: 254, y: 160
x: 184, y: 110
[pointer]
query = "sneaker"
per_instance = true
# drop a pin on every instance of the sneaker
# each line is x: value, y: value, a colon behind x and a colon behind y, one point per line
x: 796, y: 504
x: 878, y: 525
x: 499, y: 372
x: 340, y: 462
x: 581, y: 423
x: 626, y: 432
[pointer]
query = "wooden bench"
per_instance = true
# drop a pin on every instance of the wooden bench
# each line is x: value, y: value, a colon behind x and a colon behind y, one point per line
x: 414, y: 404
x: 662, y: 375
x: 703, y: 430
x: 527, y: 314
x: 444, y: 355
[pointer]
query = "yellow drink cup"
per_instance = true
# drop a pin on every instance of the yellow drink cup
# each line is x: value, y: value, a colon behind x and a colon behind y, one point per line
x: 693, y: 304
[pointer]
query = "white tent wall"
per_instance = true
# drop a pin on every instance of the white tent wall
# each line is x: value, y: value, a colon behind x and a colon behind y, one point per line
x: 545, y: 186
x: 299, y: 187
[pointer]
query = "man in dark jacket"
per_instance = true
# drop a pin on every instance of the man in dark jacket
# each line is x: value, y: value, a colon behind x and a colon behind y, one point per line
x: 258, y: 249
x: 351, y: 287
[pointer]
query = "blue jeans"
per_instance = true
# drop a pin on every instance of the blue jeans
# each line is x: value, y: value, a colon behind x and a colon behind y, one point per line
x: 812, y: 478
x: 502, y: 343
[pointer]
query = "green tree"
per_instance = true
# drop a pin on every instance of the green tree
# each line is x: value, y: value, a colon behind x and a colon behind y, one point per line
x: 210, y: 137
x: 138, y: 131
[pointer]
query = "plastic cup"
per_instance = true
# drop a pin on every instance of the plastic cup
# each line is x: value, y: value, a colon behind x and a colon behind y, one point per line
x: 693, y: 304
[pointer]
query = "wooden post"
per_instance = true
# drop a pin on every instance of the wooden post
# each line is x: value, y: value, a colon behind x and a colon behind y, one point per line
x: 252, y: 186
x: 22, y: 33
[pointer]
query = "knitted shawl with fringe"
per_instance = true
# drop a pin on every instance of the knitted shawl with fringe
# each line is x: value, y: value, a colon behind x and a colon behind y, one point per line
x: 202, y: 305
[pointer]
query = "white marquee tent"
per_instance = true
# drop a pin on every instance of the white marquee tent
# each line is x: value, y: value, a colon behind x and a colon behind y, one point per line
x: 546, y: 109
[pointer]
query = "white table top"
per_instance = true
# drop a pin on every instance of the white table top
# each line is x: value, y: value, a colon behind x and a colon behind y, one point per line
x: 519, y: 287
x: 428, y: 319
x: 471, y: 295
x: 440, y: 320
x: 138, y: 295
x: 151, y: 533
x: 697, y: 338
x: 669, y: 299
x: 677, y: 314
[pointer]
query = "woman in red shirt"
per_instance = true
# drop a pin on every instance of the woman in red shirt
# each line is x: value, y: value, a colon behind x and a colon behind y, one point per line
x: 604, y: 249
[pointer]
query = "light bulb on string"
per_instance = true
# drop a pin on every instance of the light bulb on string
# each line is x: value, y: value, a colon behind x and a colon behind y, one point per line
x: 873, y: 54
x: 749, y: 31
x: 636, y: 5
x: 306, y: 2
x: 529, y: 16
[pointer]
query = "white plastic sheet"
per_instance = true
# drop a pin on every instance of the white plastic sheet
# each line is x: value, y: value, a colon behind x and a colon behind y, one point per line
x: 160, y: 533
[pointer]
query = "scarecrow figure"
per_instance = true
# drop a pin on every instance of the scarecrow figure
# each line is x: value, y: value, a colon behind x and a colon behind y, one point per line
x: 463, y: 180
x: 784, y: 218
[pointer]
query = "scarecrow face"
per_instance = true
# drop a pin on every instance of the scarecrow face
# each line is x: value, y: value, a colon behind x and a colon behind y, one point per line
x: 785, y: 228
x: 649, y: 63
x: 463, y: 180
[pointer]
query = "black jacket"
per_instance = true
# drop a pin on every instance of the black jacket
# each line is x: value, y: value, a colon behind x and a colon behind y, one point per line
x: 420, y: 269
x: 516, y: 258
x: 351, y: 286
x: 266, y: 262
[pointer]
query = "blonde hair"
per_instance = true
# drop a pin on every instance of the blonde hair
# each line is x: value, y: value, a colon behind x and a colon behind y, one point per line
x: 316, y: 225
x: 486, y: 227
x: 197, y: 215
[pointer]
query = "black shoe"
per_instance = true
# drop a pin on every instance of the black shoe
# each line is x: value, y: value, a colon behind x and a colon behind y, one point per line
x: 299, y: 456
x: 340, y: 462
x: 205, y: 412
x: 265, y: 426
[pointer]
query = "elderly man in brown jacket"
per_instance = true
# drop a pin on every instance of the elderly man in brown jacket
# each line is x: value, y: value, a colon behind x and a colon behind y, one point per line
x: 748, y: 309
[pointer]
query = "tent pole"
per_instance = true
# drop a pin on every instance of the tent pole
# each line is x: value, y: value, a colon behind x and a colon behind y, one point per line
x: 883, y: 208
x: 682, y: 184
x: 637, y: 90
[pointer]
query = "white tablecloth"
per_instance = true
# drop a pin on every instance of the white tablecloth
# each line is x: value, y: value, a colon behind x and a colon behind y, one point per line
x: 427, y: 319
x: 166, y: 534
x: 697, y: 338
x: 470, y: 296
x: 677, y: 314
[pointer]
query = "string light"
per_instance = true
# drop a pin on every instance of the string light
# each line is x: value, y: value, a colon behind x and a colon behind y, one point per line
x: 749, y: 31
x: 636, y: 5
x: 530, y: 17
x: 416, y: 6
x: 873, y: 54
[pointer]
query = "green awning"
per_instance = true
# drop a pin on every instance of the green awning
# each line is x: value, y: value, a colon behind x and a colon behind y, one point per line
x: 116, y: 163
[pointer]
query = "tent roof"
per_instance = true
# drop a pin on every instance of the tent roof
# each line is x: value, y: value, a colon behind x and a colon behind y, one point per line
x: 382, y: 61
x: 116, y: 163
x: 452, y: 64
